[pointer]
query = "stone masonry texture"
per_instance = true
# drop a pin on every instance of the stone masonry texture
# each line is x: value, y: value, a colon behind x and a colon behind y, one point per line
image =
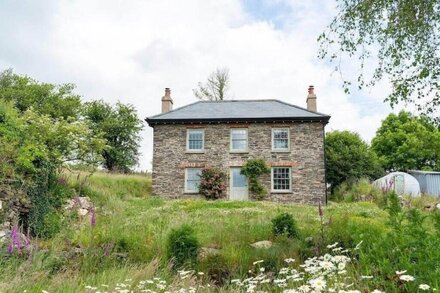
x: 305, y: 157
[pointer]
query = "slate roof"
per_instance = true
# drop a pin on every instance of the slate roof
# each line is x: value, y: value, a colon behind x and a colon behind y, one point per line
x: 237, y: 110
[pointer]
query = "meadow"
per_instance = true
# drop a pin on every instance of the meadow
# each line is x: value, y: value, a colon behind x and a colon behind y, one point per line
x: 121, y: 246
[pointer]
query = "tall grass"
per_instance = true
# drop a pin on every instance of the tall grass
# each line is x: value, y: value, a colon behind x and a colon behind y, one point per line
x: 130, y: 236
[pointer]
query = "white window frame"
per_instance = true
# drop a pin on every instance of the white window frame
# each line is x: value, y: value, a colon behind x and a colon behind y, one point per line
x: 187, y: 140
x: 247, y: 141
x: 186, y: 181
x: 272, y: 182
x: 273, y: 139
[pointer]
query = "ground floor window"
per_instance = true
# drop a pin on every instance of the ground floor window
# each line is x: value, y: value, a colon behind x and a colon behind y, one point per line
x: 281, y: 179
x: 192, y: 179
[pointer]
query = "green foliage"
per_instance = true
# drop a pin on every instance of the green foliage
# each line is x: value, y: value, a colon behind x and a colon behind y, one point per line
x: 56, y: 101
x: 284, y: 224
x: 253, y: 169
x: 349, y: 158
x: 396, y: 41
x: 212, y: 183
x: 404, y: 142
x: 120, y: 127
x: 182, y: 246
x: 359, y: 190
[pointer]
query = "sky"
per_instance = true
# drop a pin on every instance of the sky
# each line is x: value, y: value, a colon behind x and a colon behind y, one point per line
x: 130, y: 50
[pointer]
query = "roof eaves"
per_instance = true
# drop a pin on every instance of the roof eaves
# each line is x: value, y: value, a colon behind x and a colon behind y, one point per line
x: 324, y: 119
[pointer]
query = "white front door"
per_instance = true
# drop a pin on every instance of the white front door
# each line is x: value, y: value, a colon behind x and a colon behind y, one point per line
x: 238, y: 185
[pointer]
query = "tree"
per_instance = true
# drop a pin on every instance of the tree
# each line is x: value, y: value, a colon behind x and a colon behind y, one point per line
x: 349, y: 157
x: 57, y: 101
x: 215, y: 89
x: 401, y: 39
x: 404, y: 142
x: 120, y: 127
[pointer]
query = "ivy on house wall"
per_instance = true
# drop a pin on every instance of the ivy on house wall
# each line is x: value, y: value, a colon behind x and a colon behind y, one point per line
x: 253, y: 169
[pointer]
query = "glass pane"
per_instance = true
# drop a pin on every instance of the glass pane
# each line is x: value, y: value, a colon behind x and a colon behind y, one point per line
x: 281, y: 178
x: 281, y: 144
x: 280, y: 138
x: 195, y: 139
x: 239, y: 133
x: 239, y: 144
x: 239, y: 139
x: 280, y: 133
x: 193, y: 179
x: 238, y: 180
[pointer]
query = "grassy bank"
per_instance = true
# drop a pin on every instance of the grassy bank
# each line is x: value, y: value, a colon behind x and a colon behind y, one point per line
x: 129, y: 239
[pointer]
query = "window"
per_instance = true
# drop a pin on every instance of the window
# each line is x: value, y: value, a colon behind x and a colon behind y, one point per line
x: 192, y: 179
x: 195, y: 140
x: 280, y: 139
x: 281, y: 179
x: 239, y: 140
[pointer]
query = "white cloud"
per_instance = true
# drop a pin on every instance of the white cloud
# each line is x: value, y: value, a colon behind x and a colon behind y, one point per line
x: 132, y: 50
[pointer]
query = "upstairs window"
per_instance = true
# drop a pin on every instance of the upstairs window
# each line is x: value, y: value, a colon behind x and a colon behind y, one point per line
x: 239, y: 140
x: 280, y: 139
x: 195, y: 141
x: 281, y: 179
x: 192, y: 179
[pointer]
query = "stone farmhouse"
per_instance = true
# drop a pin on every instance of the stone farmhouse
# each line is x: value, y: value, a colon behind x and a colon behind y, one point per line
x: 227, y: 133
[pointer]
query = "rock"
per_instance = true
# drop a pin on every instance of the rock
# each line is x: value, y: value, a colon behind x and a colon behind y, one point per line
x: 265, y: 244
x: 3, y: 235
x: 82, y: 212
x: 208, y: 251
x: 429, y: 208
x: 81, y: 204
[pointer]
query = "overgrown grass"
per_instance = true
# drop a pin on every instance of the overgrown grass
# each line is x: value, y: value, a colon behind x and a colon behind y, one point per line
x: 130, y: 236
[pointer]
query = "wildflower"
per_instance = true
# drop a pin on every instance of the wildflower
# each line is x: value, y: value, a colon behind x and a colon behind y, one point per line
x: 326, y: 265
x: 376, y: 291
x: 304, y: 288
x: 424, y: 287
x: 400, y: 272
x: 332, y: 245
x: 407, y: 278
x: 284, y: 271
x: 258, y: 262
x: 289, y: 260
x: 318, y: 284
x: 201, y: 273
x: 367, y: 277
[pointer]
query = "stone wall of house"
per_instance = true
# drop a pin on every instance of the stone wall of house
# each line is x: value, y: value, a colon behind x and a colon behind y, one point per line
x: 306, y: 157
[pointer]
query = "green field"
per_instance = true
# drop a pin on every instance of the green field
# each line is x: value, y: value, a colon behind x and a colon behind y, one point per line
x: 129, y: 241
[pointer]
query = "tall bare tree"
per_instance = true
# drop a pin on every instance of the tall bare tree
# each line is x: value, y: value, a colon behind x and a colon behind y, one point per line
x: 215, y: 88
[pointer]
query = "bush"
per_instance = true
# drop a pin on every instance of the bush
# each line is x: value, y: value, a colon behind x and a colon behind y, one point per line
x: 183, y: 246
x: 212, y: 183
x: 358, y: 190
x: 284, y: 224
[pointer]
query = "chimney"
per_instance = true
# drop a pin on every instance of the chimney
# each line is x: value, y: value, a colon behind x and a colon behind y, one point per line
x: 167, y: 102
x: 311, y: 99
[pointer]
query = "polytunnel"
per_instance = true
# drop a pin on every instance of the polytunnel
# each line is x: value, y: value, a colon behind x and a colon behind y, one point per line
x: 402, y: 183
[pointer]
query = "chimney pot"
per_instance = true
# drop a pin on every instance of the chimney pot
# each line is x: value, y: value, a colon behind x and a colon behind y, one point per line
x: 167, y: 101
x: 311, y: 99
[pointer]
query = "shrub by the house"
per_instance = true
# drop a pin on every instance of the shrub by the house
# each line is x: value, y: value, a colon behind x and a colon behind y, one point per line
x: 212, y: 183
x: 284, y: 224
x: 182, y: 246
